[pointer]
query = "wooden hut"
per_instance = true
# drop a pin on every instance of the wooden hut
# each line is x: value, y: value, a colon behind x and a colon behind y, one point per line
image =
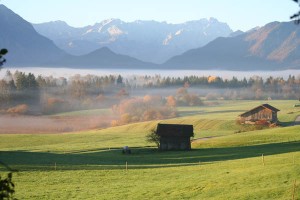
x: 175, y: 136
x: 264, y: 112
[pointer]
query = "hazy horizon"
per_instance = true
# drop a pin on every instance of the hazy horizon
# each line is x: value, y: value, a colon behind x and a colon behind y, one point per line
x: 226, y: 74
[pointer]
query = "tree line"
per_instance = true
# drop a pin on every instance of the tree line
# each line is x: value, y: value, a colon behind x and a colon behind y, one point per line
x: 47, y: 94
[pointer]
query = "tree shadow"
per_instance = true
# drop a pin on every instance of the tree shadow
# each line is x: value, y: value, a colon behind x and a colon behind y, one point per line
x: 190, y: 113
x: 224, y: 111
x: 141, y: 157
x: 287, y: 124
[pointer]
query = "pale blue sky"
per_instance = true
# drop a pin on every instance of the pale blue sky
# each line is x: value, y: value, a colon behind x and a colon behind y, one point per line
x: 239, y: 14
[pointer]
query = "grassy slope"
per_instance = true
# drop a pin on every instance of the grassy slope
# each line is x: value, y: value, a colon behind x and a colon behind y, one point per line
x: 228, y: 167
x: 85, y: 113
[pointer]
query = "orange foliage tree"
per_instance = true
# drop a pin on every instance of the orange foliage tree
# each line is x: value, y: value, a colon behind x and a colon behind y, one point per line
x: 142, y: 109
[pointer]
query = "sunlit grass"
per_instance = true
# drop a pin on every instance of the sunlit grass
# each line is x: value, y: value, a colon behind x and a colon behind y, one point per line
x: 90, y: 165
x: 81, y: 113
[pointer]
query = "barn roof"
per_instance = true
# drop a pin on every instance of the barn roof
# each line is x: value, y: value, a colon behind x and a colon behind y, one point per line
x: 175, y: 130
x: 265, y: 106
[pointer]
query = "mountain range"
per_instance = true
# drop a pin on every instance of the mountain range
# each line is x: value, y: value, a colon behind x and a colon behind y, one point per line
x: 150, y: 41
x: 26, y: 47
x: 274, y: 46
x: 202, y: 44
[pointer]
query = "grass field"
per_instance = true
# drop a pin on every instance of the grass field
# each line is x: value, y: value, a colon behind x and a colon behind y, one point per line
x: 89, y: 165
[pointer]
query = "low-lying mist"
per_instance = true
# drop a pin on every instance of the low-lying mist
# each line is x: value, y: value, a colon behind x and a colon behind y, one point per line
x: 31, y: 104
x: 68, y: 72
x: 24, y: 124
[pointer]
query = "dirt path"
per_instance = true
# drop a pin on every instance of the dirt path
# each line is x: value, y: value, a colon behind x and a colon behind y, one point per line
x: 204, y: 138
x: 297, y: 121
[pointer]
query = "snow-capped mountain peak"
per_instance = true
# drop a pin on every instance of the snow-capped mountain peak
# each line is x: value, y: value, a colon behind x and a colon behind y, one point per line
x: 147, y: 40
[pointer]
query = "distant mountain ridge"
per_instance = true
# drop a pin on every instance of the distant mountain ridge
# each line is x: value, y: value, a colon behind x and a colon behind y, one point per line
x: 150, y: 41
x: 102, y: 58
x: 29, y: 48
x: 275, y: 46
x: 272, y: 47
x: 26, y: 47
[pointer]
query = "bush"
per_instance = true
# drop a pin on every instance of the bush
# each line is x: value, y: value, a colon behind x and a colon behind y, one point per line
x: 153, y: 137
x: 142, y: 109
x: 19, y: 109
x: 54, y: 105
x: 7, y: 188
x: 212, y: 96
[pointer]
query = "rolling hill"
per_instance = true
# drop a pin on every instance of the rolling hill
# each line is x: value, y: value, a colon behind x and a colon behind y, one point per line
x: 102, y: 58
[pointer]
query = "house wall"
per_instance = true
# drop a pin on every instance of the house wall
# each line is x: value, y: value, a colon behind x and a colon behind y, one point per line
x: 263, y: 114
x: 175, y: 143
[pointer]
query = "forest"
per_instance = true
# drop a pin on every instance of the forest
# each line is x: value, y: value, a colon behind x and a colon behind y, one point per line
x: 134, y: 98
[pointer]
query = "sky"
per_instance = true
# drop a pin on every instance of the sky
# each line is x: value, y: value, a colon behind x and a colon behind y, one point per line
x: 238, y: 14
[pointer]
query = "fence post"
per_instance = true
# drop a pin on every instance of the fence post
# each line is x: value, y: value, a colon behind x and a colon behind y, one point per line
x: 293, y: 159
x: 294, y: 190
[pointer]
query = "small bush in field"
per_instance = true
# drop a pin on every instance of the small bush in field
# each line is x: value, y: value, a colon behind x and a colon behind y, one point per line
x: 7, y: 188
x: 153, y: 137
x: 114, y: 123
x: 19, y: 109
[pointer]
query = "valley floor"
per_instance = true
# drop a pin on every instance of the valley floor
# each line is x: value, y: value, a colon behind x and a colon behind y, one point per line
x: 259, y: 164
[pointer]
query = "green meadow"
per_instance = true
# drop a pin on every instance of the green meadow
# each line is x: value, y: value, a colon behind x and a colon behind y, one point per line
x: 223, y: 164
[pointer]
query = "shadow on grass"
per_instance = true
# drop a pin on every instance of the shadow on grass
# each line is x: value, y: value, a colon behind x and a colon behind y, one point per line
x: 141, y: 157
x: 224, y: 111
x: 290, y: 123
x: 189, y: 113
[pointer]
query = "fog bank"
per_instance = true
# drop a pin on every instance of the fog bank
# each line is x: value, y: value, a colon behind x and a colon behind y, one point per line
x: 67, y: 72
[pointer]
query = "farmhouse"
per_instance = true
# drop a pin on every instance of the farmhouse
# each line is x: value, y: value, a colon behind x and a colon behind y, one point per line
x: 264, y: 112
x: 175, y: 136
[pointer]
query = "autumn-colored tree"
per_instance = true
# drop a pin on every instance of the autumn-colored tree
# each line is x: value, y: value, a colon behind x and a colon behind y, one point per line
x: 19, y: 109
x: 78, y: 89
x: 181, y: 91
x: 212, y: 96
x: 53, y: 105
x: 114, y: 123
x: 142, y: 109
x: 152, y: 99
x: 125, y: 118
x: 171, y: 101
x: 122, y: 93
x: 194, y: 100
x: 100, y: 98
x: 211, y: 79
x: 186, y: 84
x: 258, y: 94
